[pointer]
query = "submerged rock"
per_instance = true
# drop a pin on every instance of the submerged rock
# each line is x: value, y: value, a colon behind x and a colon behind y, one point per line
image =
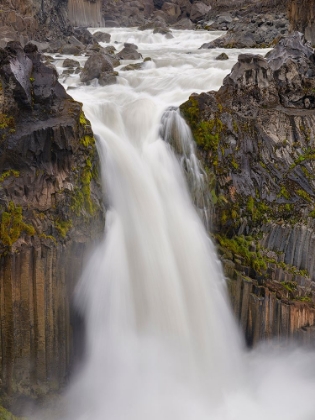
x: 222, y: 57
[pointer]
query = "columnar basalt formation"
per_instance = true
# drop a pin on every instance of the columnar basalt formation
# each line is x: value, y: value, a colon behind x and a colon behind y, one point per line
x: 50, y: 214
x: 85, y: 13
x: 256, y: 138
x: 302, y: 18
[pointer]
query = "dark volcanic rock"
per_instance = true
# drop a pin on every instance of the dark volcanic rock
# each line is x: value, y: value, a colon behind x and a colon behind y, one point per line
x: 256, y: 137
x: 68, y: 62
x: 129, y: 52
x: 94, y: 66
x: 198, y: 11
x: 101, y: 37
x: 222, y: 56
x: 50, y: 209
x: 248, y: 31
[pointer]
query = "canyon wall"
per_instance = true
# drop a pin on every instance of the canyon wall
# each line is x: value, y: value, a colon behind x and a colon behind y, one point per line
x: 302, y: 17
x: 50, y: 213
x: 33, y: 19
x: 256, y: 139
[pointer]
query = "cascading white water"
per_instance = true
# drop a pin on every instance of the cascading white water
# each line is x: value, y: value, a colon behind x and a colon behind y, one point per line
x: 161, y: 339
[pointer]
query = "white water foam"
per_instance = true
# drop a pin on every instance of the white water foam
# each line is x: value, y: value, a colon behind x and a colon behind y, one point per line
x: 161, y: 340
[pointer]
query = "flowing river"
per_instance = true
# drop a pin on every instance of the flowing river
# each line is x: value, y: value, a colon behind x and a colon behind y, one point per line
x: 162, y: 343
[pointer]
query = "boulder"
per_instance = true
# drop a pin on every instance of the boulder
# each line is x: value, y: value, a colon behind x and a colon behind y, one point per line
x: 172, y: 12
x: 129, y: 52
x: 68, y: 49
x: 164, y: 31
x: 94, y: 66
x: 83, y: 35
x: 101, y: 37
x: 198, y: 11
x: 68, y: 62
x: 108, y: 78
x: 183, y: 23
x: 222, y: 57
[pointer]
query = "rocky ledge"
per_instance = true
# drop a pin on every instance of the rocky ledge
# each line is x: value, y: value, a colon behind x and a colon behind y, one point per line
x: 256, y: 138
x: 247, y: 30
x: 50, y: 213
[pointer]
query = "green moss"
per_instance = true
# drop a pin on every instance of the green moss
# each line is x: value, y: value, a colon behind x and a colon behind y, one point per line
x: 6, y: 122
x: 284, y: 193
x: 290, y: 286
x: 83, y: 120
x: 303, y: 194
x: 12, y: 225
x: 88, y: 141
x: 8, y: 174
x: 6, y: 415
x: 206, y: 133
x: 49, y: 237
x: 307, y: 299
x: 241, y: 246
x: 63, y: 226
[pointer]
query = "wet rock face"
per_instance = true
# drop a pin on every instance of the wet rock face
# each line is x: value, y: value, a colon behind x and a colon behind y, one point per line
x: 50, y: 209
x: 256, y: 137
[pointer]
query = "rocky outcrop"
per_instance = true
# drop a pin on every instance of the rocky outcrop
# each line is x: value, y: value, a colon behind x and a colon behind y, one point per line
x: 50, y: 214
x: 33, y: 19
x: 251, y: 30
x: 141, y: 12
x: 256, y: 138
x: 302, y: 18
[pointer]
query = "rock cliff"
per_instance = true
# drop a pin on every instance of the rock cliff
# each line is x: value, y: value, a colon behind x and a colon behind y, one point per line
x: 50, y: 214
x: 256, y: 138
x: 33, y: 19
x: 302, y: 17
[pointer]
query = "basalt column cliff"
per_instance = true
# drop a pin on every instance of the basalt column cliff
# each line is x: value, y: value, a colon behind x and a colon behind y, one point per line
x: 50, y: 212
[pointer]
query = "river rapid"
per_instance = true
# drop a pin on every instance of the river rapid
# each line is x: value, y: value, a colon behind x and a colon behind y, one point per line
x: 162, y: 343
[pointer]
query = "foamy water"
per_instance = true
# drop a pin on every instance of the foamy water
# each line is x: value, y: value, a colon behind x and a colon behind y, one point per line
x: 162, y: 343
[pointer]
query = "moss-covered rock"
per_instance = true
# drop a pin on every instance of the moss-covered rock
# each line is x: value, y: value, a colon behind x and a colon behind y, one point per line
x: 256, y: 139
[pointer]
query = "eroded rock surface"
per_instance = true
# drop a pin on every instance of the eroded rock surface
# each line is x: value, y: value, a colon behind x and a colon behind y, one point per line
x: 256, y: 138
x: 50, y: 213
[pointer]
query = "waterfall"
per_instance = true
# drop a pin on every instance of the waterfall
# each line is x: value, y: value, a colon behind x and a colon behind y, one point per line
x: 162, y: 343
x: 176, y: 132
x: 85, y: 13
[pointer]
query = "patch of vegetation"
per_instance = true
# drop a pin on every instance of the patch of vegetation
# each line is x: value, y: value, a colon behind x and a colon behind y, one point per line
x: 8, y: 174
x: 206, y: 133
x: 241, y: 246
x: 12, y: 225
x: 6, y: 415
x: 63, y: 227
x: 303, y: 194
